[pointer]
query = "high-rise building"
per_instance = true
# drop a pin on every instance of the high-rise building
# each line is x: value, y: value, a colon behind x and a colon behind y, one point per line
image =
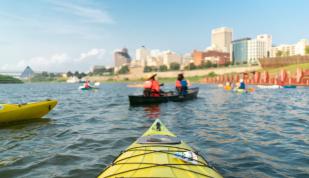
x: 171, y: 57
x: 221, y: 39
x: 268, y: 41
x: 249, y: 51
x: 141, y: 55
x: 121, y: 58
x: 256, y: 50
x: 240, y: 51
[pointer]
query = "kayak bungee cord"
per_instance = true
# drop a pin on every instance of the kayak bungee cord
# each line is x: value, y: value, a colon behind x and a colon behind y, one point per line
x: 169, y: 152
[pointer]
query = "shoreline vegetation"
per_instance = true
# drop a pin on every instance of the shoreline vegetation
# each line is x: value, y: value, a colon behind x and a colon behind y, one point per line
x: 194, y: 76
x: 4, y: 79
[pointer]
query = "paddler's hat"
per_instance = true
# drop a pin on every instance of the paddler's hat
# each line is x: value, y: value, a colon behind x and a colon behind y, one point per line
x: 152, y: 76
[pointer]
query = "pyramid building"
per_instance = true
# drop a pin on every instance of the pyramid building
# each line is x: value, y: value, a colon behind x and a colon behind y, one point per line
x: 27, y: 73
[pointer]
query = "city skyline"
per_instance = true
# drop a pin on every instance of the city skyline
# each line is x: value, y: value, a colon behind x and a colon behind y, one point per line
x: 75, y: 35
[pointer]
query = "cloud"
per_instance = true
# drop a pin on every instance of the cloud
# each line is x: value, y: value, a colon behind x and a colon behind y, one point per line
x: 91, y: 14
x: 62, y: 62
x: 93, y: 53
x: 45, y: 63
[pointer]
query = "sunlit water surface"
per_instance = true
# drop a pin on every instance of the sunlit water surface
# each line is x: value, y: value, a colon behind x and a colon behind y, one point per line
x: 262, y: 134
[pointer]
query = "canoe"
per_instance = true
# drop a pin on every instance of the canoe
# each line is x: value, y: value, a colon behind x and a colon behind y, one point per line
x: 144, y: 100
x: 289, y: 86
x: 90, y: 88
x: 26, y: 111
x: 159, y: 153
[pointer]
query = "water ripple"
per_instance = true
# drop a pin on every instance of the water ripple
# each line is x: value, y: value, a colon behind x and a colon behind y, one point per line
x: 262, y: 134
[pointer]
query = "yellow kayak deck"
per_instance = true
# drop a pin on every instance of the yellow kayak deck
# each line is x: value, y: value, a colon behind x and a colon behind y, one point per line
x: 155, y: 155
x: 27, y: 111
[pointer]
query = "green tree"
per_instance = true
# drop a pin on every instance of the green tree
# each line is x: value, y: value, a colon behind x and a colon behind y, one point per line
x: 191, y: 66
x: 76, y: 74
x: 163, y: 68
x: 44, y: 74
x: 82, y: 75
x: 207, y: 64
x: 69, y: 74
x: 174, y: 66
x: 279, y: 53
x: 227, y: 64
x: 307, y: 50
x: 147, y: 69
x: 52, y: 75
x: 124, y: 70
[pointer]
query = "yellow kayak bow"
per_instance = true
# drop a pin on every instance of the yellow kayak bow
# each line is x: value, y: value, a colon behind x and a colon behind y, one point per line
x: 26, y: 111
x: 159, y: 153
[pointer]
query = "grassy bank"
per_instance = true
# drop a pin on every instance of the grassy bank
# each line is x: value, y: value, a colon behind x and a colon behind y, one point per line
x: 9, y: 79
x: 291, y: 68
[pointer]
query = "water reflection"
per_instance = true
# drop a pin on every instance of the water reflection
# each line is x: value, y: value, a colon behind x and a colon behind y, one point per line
x: 152, y: 111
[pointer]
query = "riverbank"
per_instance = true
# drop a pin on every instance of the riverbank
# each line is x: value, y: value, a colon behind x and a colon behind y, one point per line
x: 4, y: 79
x: 194, y: 75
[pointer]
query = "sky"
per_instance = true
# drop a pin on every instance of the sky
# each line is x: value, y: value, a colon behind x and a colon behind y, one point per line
x: 63, y: 35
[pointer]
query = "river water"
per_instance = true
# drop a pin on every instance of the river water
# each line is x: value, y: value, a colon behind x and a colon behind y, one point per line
x: 262, y: 134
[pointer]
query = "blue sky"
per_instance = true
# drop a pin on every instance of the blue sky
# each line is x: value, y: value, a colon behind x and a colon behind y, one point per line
x: 62, y: 35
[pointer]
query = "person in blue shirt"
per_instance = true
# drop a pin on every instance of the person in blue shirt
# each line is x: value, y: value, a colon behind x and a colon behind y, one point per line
x: 242, y: 84
x: 181, y: 85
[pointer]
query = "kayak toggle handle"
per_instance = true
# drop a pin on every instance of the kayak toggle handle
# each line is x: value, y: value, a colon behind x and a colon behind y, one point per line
x: 158, y: 126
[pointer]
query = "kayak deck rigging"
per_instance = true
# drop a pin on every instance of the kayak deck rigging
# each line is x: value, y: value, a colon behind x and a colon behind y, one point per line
x: 152, y: 165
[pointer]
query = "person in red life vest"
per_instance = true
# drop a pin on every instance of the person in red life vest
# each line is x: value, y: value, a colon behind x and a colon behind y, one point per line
x: 182, y: 84
x: 152, y: 86
x: 86, y: 85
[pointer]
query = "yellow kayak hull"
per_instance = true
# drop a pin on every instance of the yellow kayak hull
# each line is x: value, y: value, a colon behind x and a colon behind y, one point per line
x: 27, y: 111
x: 155, y: 159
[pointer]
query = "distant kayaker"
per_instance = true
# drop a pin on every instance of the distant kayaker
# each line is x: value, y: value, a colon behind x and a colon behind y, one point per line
x: 152, y: 86
x: 228, y: 86
x: 87, y: 85
x: 181, y: 84
x: 242, y: 84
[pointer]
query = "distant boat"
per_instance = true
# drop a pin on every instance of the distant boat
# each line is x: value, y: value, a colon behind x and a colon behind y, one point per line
x: 269, y: 86
x: 73, y: 80
x: 97, y: 84
x: 275, y: 86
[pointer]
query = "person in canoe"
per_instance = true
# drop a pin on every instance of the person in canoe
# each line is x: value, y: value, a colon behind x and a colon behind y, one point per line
x: 152, y: 87
x: 182, y: 84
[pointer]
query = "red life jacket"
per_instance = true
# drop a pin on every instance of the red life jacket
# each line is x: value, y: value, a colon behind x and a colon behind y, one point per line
x: 178, y: 84
x: 155, y: 88
x: 147, y: 84
x: 87, y: 85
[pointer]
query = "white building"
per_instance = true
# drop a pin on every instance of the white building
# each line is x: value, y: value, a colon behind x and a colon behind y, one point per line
x: 256, y: 50
x: 268, y: 41
x: 259, y: 48
x: 171, y: 57
x: 221, y: 39
x: 291, y: 49
x: 251, y: 50
x: 141, y: 55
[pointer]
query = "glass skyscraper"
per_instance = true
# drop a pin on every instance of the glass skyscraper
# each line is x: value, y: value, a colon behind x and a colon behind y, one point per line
x: 240, y: 51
